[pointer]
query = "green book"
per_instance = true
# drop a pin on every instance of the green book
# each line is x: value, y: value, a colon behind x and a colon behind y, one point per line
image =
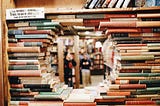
x: 91, y: 16
x: 47, y: 28
x: 23, y: 67
x: 48, y: 97
x: 149, y: 81
x: 20, y: 90
x: 58, y: 92
x: 138, y: 74
x: 32, y: 44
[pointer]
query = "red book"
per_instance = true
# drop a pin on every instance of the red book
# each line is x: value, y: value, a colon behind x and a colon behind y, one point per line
x: 38, y: 32
x: 79, y: 104
x: 16, y: 85
x: 94, y: 22
x: 145, y: 102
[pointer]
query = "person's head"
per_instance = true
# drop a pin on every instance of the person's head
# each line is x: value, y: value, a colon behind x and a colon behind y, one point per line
x: 85, y: 56
x: 68, y: 56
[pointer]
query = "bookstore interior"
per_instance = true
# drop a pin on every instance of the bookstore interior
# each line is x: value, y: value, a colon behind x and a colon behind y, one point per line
x: 79, y: 52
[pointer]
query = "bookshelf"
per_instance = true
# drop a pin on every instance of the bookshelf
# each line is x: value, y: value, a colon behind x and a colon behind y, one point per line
x: 52, y: 7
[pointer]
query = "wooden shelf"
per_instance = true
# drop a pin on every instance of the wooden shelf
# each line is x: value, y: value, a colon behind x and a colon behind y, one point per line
x: 104, y: 10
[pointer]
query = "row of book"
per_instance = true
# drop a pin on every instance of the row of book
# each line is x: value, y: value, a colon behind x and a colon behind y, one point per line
x: 135, y: 61
x: 91, y: 4
x: 31, y: 77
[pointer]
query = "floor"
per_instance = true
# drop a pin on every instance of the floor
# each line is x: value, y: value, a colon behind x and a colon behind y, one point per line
x: 96, y: 79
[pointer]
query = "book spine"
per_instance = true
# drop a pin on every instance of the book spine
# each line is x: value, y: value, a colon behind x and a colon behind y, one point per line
x: 126, y: 3
x: 24, y: 49
x: 23, y: 67
x: 119, y: 3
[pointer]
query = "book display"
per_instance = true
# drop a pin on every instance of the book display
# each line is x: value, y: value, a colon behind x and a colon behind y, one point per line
x: 32, y: 47
x: 136, y: 56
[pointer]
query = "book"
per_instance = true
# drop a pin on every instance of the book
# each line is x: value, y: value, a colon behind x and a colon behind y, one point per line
x: 79, y: 104
x: 112, y: 3
x: 24, y: 49
x: 24, y: 67
x: 20, y: 73
x: 93, y: 4
x: 126, y: 3
x: 150, y: 3
x: 119, y: 3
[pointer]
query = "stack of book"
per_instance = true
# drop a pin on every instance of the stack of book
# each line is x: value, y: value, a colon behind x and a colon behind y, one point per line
x: 136, y: 60
x: 91, y: 4
x: 31, y: 77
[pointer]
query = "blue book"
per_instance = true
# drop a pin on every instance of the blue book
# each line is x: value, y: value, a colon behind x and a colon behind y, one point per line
x: 33, y: 36
x: 15, y: 32
x: 157, y: 2
x: 150, y: 3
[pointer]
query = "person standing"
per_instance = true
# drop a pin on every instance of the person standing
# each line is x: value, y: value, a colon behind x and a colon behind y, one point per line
x: 69, y: 63
x: 85, y: 65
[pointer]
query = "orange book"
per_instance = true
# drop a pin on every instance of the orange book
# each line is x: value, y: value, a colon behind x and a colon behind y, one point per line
x: 117, y: 24
x: 109, y: 93
x: 24, y: 49
x: 148, y: 23
x: 122, y: 30
x: 151, y: 15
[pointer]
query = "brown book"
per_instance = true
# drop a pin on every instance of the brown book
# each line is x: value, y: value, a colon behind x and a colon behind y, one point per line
x: 148, y: 23
x: 24, y: 49
x: 26, y: 73
x: 79, y: 104
x: 20, y: 24
x: 130, y: 70
x: 132, y: 86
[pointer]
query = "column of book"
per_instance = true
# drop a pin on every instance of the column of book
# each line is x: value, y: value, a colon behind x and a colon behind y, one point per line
x: 31, y: 78
x: 136, y: 43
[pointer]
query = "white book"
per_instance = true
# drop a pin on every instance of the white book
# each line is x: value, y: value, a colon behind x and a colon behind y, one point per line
x: 112, y: 3
x: 119, y: 3
x: 125, y: 4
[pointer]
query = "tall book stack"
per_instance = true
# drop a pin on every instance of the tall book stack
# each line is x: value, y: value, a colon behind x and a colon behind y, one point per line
x: 136, y: 60
x: 29, y: 68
